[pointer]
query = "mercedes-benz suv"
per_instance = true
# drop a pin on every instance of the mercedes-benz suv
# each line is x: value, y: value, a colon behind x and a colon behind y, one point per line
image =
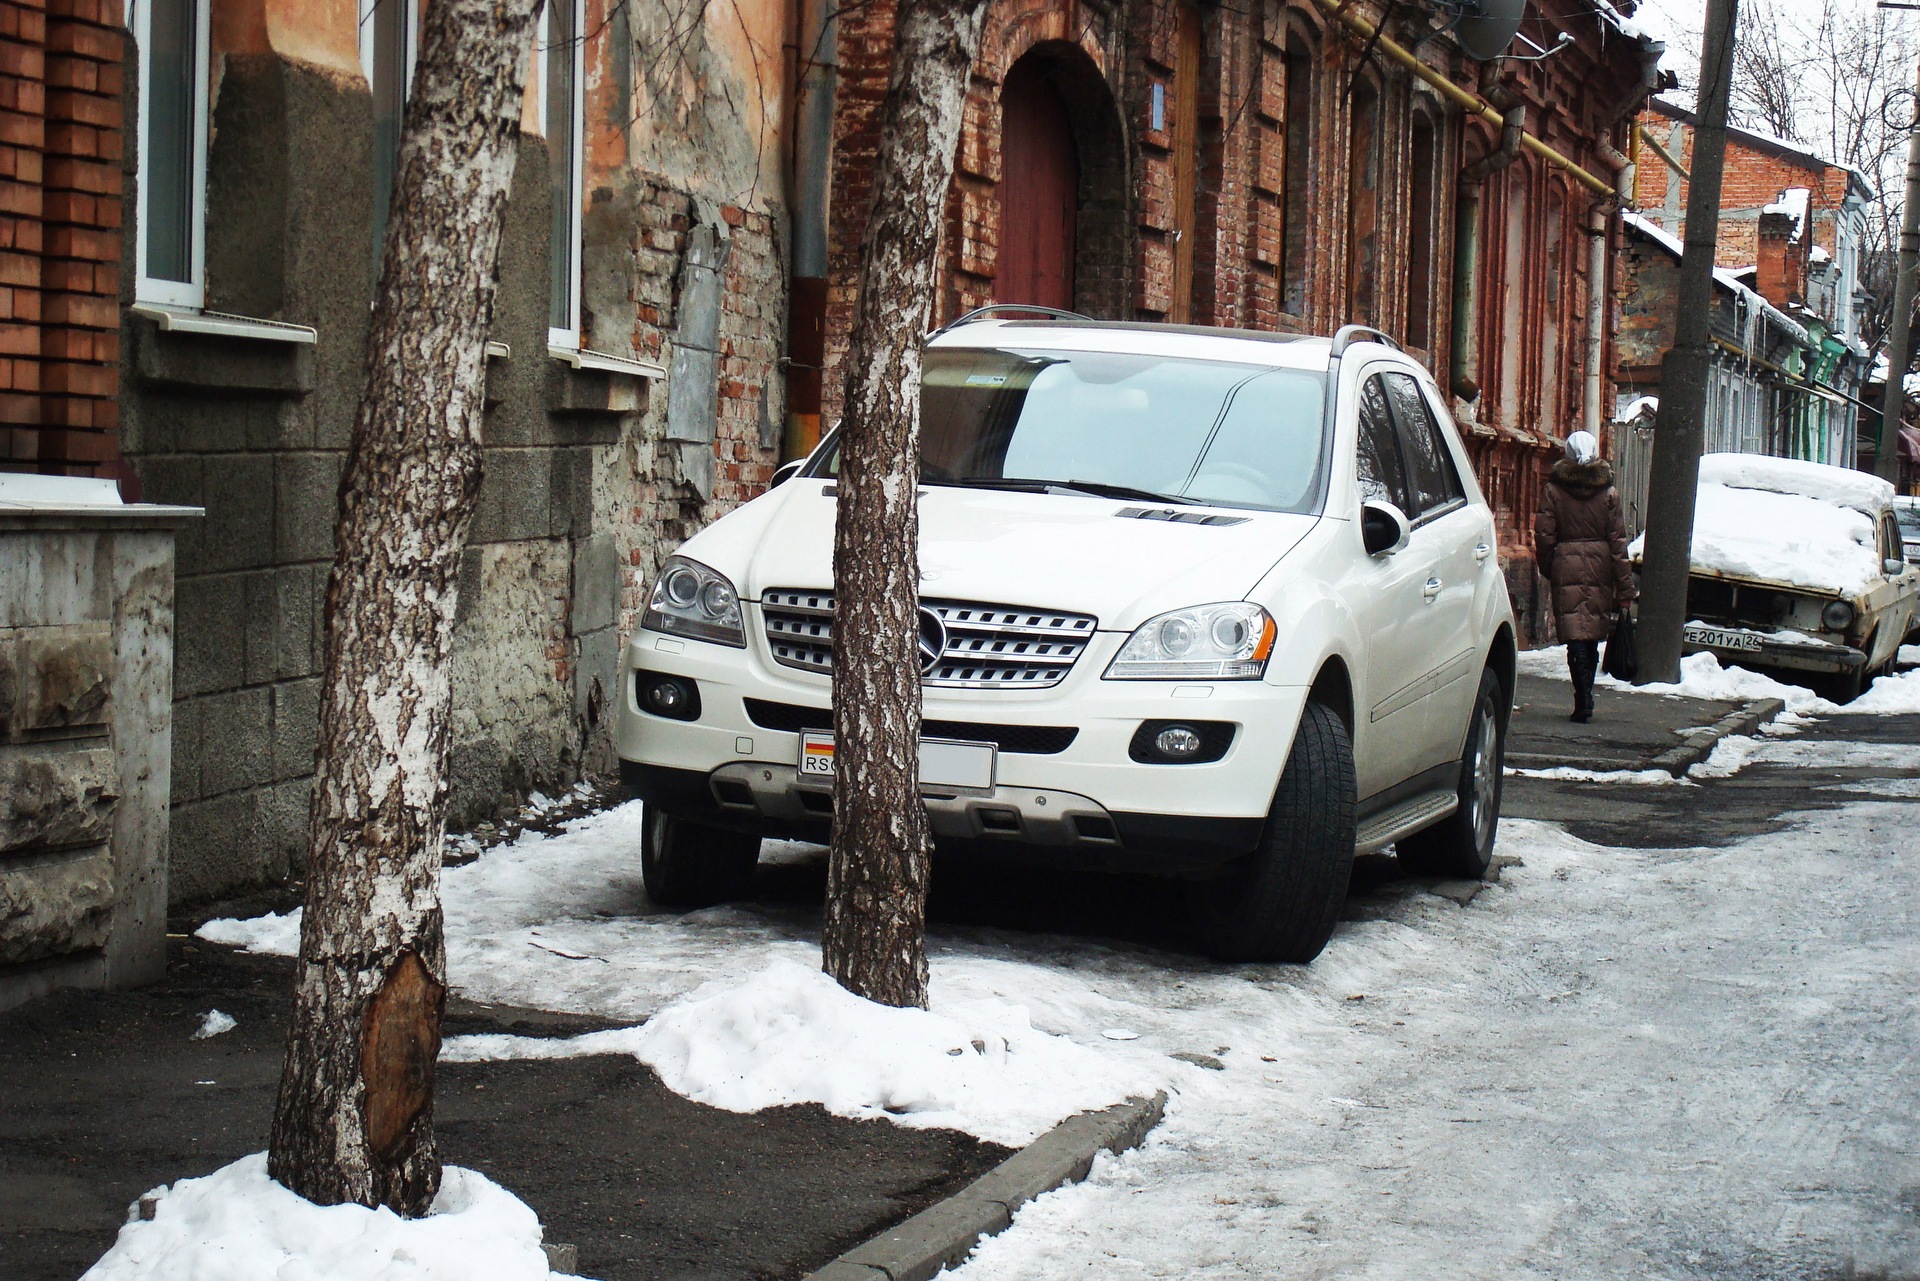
x: 1213, y: 605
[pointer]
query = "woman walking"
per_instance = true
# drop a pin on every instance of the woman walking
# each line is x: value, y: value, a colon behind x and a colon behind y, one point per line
x: 1580, y: 544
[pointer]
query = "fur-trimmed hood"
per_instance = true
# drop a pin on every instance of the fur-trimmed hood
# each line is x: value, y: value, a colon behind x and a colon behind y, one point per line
x: 1582, y: 480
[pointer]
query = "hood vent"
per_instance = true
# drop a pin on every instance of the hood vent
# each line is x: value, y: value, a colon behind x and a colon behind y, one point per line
x: 1173, y: 517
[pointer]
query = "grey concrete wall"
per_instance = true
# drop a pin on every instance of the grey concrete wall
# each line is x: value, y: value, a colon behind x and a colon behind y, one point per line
x: 256, y: 432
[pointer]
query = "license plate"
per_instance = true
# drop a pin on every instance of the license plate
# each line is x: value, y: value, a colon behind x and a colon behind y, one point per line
x: 944, y: 762
x: 1716, y: 638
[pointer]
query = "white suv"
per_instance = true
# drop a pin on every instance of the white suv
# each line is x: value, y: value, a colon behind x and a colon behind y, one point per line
x: 1209, y: 604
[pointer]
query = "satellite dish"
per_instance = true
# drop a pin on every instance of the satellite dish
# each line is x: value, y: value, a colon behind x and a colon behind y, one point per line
x: 1487, y: 27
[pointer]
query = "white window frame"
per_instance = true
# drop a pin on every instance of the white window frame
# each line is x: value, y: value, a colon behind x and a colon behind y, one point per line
x: 567, y: 338
x: 366, y: 39
x: 191, y: 293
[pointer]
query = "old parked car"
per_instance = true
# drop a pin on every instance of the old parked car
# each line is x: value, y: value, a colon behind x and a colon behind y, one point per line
x: 1214, y: 605
x: 1798, y: 568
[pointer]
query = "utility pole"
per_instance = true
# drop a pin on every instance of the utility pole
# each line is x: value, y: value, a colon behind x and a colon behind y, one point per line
x: 1682, y: 430
x: 1893, y: 403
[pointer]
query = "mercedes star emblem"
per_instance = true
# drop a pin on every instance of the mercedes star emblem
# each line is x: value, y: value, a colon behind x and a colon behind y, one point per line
x: 933, y: 639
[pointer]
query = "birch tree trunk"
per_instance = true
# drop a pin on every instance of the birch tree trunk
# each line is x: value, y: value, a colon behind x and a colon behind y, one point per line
x: 354, y: 1119
x: 874, y: 941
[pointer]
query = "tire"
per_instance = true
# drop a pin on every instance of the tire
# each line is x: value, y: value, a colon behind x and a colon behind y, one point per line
x: 1461, y: 844
x: 1283, y: 902
x: 688, y: 865
x: 1842, y: 687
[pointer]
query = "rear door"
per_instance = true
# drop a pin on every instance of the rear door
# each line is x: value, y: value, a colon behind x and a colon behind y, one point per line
x: 1458, y: 536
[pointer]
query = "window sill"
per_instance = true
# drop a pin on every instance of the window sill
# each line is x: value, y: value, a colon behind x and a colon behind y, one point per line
x: 605, y: 362
x: 222, y: 324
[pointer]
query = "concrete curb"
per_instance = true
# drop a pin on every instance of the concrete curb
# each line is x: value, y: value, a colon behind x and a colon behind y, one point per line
x: 941, y: 1236
x: 1698, y: 746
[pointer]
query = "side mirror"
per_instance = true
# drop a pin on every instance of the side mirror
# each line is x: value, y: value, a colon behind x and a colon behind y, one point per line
x: 1892, y: 567
x: 786, y: 472
x: 1383, y: 528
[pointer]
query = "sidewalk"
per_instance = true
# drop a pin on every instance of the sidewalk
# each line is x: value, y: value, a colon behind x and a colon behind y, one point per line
x: 1629, y: 731
x: 108, y: 1094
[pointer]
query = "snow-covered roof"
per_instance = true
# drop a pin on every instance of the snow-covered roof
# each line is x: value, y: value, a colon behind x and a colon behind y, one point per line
x: 1819, y: 257
x: 1627, y: 26
x: 1840, y: 486
x: 1879, y: 375
x: 1770, y: 142
x: 1727, y: 279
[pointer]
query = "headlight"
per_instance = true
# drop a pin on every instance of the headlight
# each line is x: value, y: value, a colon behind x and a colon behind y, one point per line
x: 1837, y: 615
x: 691, y: 600
x: 1226, y: 642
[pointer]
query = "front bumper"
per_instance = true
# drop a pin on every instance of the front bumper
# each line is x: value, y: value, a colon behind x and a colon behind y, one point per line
x: 1763, y: 650
x: 1088, y: 804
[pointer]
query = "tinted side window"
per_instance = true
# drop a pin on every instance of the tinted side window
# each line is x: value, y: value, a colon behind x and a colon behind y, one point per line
x: 1429, y: 460
x: 1382, y: 476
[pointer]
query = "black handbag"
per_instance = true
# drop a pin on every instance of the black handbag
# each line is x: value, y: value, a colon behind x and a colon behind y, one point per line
x: 1621, y: 662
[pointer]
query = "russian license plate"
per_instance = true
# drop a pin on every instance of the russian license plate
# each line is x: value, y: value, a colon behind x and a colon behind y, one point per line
x: 1718, y: 638
x: 944, y: 762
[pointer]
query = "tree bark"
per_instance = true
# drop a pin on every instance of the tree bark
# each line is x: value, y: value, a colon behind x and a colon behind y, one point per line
x: 354, y: 1119
x: 874, y: 940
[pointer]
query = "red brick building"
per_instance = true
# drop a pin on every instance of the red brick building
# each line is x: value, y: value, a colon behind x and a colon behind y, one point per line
x: 60, y: 182
x: 1260, y: 166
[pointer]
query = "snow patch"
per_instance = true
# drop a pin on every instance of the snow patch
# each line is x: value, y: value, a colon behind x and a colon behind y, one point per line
x: 275, y: 934
x: 790, y: 1034
x: 214, y: 1023
x: 1780, y: 538
x: 237, y: 1224
x: 1568, y: 773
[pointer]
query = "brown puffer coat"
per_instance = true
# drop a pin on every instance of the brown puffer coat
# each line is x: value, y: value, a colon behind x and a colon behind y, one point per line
x: 1580, y: 544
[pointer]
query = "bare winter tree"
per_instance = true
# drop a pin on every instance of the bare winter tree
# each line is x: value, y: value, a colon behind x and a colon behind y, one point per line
x: 354, y: 1119
x: 874, y: 941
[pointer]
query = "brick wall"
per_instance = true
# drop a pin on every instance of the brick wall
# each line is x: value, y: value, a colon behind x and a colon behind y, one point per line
x: 61, y: 145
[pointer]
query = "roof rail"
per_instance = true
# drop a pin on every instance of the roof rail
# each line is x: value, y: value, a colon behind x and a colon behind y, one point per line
x: 980, y: 312
x: 1350, y: 334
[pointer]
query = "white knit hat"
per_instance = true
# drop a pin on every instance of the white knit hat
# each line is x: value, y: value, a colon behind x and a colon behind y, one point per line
x: 1582, y: 447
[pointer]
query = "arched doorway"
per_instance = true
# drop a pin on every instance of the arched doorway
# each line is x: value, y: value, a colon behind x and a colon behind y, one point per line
x: 1039, y: 188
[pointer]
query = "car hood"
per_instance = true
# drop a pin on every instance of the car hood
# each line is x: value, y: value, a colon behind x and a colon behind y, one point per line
x: 1053, y: 551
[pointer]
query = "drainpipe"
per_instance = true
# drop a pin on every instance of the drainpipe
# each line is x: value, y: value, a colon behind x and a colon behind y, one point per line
x: 817, y: 60
x: 1463, y: 375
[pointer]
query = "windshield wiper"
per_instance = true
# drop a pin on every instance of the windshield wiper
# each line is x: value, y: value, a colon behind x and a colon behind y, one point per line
x: 1092, y: 488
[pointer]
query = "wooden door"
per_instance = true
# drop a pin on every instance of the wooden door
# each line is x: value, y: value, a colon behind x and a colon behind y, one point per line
x: 1039, y: 191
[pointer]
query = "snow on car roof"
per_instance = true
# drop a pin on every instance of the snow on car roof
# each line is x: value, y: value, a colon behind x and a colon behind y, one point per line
x: 1194, y: 343
x: 1842, y: 486
x: 1786, y: 538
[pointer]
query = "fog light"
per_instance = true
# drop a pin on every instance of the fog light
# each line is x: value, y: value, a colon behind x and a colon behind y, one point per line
x: 1178, y: 742
x: 668, y: 696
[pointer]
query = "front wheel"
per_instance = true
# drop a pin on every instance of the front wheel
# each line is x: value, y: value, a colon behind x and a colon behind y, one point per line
x: 1461, y: 844
x: 692, y: 865
x: 1283, y: 902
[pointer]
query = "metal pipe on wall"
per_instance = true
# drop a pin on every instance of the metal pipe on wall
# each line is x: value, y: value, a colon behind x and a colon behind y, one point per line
x: 1464, y: 368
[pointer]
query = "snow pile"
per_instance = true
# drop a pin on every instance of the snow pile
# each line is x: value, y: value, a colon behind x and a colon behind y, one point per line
x: 1572, y: 774
x: 237, y: 1224
x: 1792, y: 203
x: 1780, y: 538
x: 275, y: 934
x: 1841, y: 486
x: 790, y: 1034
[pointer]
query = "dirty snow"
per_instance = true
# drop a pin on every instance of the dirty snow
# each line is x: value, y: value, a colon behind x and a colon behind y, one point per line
x: 790, y: 1034
x: 237, y: 1224
x: 275, y: 934
x: 1702, y: 676
x: 1572, y: 774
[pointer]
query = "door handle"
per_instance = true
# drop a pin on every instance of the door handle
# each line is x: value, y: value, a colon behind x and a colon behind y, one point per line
x: 1482, y: 551
x: 1432, y: 589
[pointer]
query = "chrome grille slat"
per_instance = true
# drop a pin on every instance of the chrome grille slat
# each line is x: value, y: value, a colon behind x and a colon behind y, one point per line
x: 988, y: 646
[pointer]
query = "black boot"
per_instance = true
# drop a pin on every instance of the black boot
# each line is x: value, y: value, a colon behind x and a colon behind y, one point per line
x: 1583, y: 662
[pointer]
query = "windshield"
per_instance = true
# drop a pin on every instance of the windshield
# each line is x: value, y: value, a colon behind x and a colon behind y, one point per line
x: 1909, y: 518
x: 1154, y: 428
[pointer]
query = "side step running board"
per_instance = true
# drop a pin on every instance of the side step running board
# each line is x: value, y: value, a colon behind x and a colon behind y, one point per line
x: 1404, y: 819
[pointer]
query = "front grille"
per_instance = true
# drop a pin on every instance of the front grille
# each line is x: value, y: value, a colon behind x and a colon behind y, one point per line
x: 988, y: 646
x: 1025, y: 740
x: 1715, y: 600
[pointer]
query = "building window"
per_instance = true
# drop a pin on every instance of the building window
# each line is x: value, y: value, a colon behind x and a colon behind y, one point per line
x: 1421, y: 229
x: 171, y: 245
x: 563, y: 101
x: 1297, y: 201
x: 389, y: 46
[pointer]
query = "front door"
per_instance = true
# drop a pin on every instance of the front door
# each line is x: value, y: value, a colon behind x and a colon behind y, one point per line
x: 1039, y: 190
